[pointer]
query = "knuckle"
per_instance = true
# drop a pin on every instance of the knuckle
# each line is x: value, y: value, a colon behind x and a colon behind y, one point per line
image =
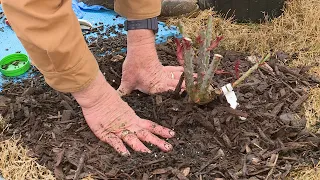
x: 144, y: 134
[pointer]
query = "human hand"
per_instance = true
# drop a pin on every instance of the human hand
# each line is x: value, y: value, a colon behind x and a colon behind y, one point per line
x: 115, y: 123
x: 142, y: 69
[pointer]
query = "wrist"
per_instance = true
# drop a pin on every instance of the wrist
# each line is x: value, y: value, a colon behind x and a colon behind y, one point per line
x: 140, y: 37
x: 98, y: 90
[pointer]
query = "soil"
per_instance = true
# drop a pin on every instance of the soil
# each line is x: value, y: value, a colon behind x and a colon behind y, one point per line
x: 211, y: 140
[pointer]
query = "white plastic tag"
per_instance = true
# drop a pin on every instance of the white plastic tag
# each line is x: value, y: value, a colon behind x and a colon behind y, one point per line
x: 230, y: 95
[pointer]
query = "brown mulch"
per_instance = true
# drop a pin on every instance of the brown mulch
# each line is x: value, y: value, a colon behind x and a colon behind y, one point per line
x: 211, y: 141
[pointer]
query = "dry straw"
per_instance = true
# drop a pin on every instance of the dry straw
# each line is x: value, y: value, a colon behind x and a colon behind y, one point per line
x: 15, y: 164
x: 296, y: 31
x: 306, y: 173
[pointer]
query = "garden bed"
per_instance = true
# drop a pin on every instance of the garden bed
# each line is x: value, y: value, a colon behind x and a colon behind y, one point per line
x: 211, y: 141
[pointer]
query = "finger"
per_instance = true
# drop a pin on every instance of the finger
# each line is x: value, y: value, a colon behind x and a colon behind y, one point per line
x: 146, y: 136
x: 157, y: 129
x: 133, y: 141
x: 174, y: 68
x: 173, y: 83
x: 161, y: 88
x: 116, y: 143
x: 176, y: 75
x: 124, y: 89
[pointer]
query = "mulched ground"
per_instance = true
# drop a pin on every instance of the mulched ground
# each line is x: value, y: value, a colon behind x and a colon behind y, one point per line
x: 211, y: 141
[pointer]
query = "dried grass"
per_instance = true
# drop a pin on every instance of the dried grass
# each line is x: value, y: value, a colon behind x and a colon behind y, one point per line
x: 312, y: 110
x: 296, y: 31
x: 306, y: 173
x: 3, y: 123
x: 15, y: 163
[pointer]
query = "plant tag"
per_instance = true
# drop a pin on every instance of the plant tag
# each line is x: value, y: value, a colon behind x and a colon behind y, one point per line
x: 230, y: 95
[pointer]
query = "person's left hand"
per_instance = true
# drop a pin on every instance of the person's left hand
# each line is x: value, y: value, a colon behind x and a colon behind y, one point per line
x: 150, y: 78
x: 143, y: 71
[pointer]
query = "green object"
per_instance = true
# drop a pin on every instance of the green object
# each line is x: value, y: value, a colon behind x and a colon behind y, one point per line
x: 14, y: 65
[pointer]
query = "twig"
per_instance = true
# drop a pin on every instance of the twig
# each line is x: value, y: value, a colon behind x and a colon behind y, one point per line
x: 80, y: 166
x: 178, y: 87
x: 268, y: 154
x: 298, y: 102
x: 295, y: 92
x: 115, y: 73
x: 250, y: 71
x: 244, y: 167
x: 287, y: 70
x: 264, y: 136
x: 273, y: 167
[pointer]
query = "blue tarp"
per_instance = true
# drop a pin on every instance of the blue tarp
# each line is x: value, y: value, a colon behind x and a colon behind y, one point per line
x: 95, y: 14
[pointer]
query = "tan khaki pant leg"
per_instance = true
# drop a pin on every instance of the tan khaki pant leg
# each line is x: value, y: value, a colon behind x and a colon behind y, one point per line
x: 51, y: 34
x: 138, y: 9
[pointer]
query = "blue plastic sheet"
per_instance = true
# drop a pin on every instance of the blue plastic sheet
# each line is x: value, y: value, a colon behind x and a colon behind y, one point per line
x: 95, y: 14
x: 79, y: 6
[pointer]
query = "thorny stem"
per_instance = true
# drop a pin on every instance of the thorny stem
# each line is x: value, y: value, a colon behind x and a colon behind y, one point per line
x: 205, y: 39
x: 202, y: 92
x: 188, y: 55
x: 210, y: 73
x: 181, y: 29
x: 201, y: 62
x: 251, y: 70
x: 208, y: 41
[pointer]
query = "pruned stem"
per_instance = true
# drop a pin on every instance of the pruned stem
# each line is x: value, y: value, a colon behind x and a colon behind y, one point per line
x: 201, y: 62
x: 181, y: 29
x: 188, y: 65
x: 251, y: 70
x: 208, y: 41
x: 210, y: 73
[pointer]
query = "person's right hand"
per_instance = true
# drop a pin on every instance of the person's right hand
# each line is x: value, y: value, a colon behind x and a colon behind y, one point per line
x: 114, y: 122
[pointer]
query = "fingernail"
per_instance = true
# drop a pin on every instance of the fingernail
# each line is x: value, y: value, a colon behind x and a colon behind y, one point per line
x: 125, y: 154
x: 145, y: 150
x: 172, y: 133
x: 168, y: 146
